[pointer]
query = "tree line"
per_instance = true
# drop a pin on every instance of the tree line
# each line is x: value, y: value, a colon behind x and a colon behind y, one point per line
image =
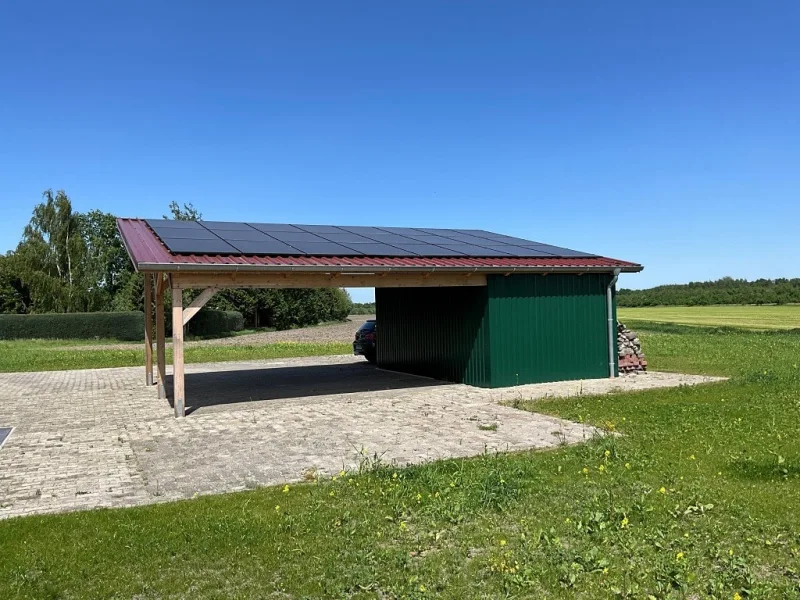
x: 69, y: 261
x: 722, y: 291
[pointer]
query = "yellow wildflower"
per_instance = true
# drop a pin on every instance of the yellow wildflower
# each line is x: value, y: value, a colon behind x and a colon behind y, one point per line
x: 502, y: 542
x: 601, y: 468
x: 403, y: 526
x: 624, y: 523
x: 286, y: 489
x: 627, y: 465
x: 277, y: 508
x: 394, y: 475
x: 679, y: 556
x: 585, y: 470
x: 663, y: 490
x: 607, y: 453
x: 692, y: 457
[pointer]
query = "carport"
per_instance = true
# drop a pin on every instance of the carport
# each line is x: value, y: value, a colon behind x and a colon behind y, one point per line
x: 468, y: 306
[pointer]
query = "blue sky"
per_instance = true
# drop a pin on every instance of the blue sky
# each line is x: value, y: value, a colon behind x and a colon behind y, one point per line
x: 665, y: 133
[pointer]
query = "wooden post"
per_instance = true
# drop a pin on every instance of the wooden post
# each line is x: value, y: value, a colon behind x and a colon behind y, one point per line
x: 178, y: 390
x: 160, y: 350
x: 148, y: 328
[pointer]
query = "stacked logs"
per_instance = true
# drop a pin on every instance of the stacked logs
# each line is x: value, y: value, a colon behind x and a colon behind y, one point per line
x: 631, y: 357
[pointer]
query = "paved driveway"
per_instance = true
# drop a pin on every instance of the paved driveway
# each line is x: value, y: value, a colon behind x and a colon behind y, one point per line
x: 85, y: 439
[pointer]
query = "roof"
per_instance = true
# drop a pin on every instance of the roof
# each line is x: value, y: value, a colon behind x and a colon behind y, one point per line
x: 149, y: 253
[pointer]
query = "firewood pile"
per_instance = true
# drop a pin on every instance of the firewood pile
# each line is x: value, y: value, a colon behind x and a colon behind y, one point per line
x: 631, y: 357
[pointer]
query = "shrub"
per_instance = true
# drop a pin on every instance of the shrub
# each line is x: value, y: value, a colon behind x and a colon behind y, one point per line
x: 128, y: 326
x: 215, y: 322
x: 363, y: 308
x: 285, y: 309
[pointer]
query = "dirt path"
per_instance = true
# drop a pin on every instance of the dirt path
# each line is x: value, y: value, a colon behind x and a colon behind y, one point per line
x: 329, y: 333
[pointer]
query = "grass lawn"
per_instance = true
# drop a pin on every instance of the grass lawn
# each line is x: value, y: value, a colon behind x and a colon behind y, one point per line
x: 746, y: 317
x: 699, y: 498
x: 53, y: 355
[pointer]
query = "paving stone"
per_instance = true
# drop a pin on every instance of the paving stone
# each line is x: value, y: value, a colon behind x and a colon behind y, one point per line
x: 101, y: 438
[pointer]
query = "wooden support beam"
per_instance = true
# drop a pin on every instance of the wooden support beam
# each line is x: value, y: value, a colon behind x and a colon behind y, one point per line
x: 315, y: 280
x: 198, y: 303
x: 178, y: 389
x: 148, y: 329
x: 161, y: 362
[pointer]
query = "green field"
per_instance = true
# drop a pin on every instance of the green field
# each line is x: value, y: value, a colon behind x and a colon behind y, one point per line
x: 56, y: 355
x: 698, y: 498
x: 746, y: 317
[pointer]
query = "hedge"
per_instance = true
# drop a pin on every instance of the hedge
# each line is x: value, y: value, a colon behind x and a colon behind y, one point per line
x: 215, y: 322
x: 128, y: 326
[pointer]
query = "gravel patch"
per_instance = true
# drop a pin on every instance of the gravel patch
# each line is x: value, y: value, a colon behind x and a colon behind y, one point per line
x: 320, y: 334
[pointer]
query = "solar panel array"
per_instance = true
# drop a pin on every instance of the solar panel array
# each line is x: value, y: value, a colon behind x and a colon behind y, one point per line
x: 279, y: 239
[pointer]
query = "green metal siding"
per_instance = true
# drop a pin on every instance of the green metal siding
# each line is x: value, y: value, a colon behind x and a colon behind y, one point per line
x: 616, y: 347
x: 435, y: 332
x: 547, y: 328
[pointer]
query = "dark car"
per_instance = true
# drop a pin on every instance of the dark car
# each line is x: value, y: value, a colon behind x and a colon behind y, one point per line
x: 364, y: 343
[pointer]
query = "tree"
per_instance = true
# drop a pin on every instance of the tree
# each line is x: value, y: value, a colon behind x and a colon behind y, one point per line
x: 14, y: 296
x: 108, y: 267
x: 51, y: 256
x: 187, y: 213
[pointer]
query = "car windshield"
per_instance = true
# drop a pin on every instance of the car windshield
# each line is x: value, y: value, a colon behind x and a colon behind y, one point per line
x: 368, y: 326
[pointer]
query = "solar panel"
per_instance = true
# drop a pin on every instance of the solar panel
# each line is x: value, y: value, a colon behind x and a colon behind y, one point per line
x: 401, y: 230
x: 324, y: 249
x: 299, y: 236
x: 471, y: 250
x: 264, y: 247
x: 390, y: 238
x: 556, y: 251
x: 173, y: 224
x: 187, y: 234
x: 189, y: 246
x: 253, y: 235
x: 225, y: 226
x: 429, y: 250
x: 270, y: 227
x: 531, y: 252
x: 361, y: 229
x: 463, y: 238
x: 374, y: 249
x: 475, y: 232
x: 345, y: 238
x: 434, y: 231
x: 430, y: 239
x: 320, y: 228
x: 222, y: 237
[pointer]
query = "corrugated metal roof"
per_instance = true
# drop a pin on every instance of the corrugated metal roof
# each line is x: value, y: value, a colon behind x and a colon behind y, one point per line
x: 148, y: 253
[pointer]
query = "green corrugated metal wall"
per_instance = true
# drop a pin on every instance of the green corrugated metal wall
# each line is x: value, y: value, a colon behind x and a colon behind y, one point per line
x: 436, y: 332
x: 547, y: 328
x: 518, y: 329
